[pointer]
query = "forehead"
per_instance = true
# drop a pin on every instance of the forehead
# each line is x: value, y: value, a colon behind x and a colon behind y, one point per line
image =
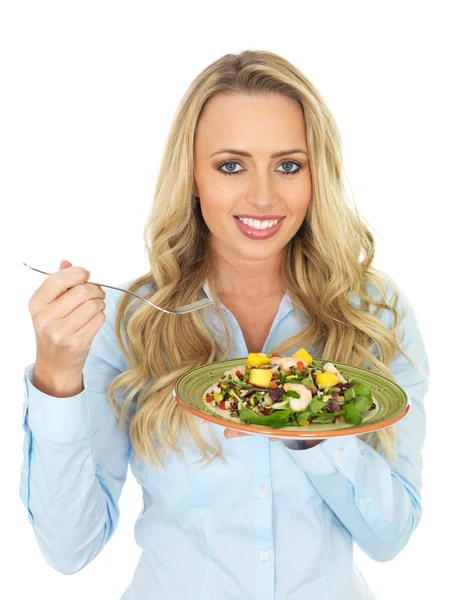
x: 250, y: 122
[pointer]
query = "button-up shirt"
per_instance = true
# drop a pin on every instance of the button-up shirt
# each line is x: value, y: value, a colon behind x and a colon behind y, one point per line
x: 275, y: 522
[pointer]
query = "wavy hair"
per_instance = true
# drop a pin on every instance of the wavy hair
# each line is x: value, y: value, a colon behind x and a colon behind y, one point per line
x: 321, y: 269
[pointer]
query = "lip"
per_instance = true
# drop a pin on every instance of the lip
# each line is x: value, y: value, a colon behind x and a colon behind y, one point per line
x: 260, y: 217
x: 257, y: 234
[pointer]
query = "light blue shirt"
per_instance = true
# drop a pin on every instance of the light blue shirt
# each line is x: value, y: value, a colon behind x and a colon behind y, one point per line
x: 274, y: 523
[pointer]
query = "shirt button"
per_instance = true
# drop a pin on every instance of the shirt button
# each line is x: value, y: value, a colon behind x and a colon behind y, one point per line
x: 362, y: 501
x: 39, y: 415
x: 262, y: 493
x: 314, y: 463
x: 264, y: 555
x: 337, y: 454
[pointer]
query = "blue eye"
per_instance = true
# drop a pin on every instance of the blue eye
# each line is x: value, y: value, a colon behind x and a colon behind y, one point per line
x: 291, y: 162
x: 287, y: 162
x: 228, y: 162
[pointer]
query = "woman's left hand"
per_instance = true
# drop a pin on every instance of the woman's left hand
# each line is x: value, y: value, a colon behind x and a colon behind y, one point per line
x: 231, y: 433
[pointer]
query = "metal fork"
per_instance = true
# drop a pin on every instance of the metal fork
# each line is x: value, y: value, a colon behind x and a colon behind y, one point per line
x: 177, y: 311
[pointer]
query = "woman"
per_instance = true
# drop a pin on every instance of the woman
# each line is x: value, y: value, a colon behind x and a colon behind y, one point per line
x: 226, y: 515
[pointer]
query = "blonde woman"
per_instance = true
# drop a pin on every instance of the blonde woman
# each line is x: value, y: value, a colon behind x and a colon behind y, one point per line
x: 249, y: 209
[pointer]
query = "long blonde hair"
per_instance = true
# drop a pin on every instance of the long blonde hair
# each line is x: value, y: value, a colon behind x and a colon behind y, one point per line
x: 321, y: 268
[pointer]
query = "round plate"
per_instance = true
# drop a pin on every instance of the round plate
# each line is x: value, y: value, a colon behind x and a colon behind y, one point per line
x: 392, y: 403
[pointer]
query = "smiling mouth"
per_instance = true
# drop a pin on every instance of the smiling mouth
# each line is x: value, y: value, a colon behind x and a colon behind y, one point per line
x: 261, y: 224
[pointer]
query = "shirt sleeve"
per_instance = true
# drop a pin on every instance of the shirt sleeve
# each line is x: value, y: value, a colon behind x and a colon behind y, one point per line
x: 378, y: 500
x: 75, y: 458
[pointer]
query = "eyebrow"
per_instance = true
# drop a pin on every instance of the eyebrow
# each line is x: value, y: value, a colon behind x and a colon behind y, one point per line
x: 276, y: 155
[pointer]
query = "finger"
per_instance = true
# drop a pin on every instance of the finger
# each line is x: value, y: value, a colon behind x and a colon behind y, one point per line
x: 57, y: 284
x: 231, y: 433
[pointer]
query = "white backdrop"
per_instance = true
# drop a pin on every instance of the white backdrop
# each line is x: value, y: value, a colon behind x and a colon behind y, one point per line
x: 88, y: 93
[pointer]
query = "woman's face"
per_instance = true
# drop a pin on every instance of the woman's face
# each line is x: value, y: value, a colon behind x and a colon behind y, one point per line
x: 273, y: 190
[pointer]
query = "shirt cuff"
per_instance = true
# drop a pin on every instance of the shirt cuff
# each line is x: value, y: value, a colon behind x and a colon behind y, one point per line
x: 333, y: 454
x: 57, y: 420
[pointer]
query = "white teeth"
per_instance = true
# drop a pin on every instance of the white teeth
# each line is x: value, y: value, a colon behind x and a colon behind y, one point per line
x: 255, y: 224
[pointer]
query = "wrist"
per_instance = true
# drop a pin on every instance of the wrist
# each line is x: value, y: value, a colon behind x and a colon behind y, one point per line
x: 58, y: 385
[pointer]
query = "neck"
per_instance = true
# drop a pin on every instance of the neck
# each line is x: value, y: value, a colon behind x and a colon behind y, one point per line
x: 234, y: 276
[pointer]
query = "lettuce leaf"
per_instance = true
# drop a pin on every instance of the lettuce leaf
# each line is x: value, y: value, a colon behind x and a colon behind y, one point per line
x: 278, y: 419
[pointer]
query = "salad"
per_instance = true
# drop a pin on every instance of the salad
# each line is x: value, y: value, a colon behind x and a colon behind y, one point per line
x: 279, y: 391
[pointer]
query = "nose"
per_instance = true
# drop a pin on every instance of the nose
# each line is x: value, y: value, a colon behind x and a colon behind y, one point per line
x: 261, y: 194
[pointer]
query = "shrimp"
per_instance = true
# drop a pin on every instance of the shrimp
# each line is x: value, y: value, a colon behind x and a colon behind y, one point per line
x: 330, y: 368
x: 305, y: 396
x: 233, y: 371
x: 286, y: 362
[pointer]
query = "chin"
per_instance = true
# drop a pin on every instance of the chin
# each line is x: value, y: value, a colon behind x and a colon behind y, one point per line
x: 259, y: 250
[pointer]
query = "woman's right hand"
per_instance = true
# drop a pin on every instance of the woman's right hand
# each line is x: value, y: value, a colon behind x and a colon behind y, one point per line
x: 67, y: 313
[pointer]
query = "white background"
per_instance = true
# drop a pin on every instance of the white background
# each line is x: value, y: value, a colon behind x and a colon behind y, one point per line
x: 88, y: 93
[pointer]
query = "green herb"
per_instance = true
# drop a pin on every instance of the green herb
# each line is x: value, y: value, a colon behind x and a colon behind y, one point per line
x: 323, y: 419
x: 351, y: 414
x: 309, y: 382
x: 278, y: 405
x: 292, y: 394
x: 316, y: 405
x: 362, y: 403
x: 303, y: 416
x: 233, y: 394
x: 357, y: 390
x: 278, y: 419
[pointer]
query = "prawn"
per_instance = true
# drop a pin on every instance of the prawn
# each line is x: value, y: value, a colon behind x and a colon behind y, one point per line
x: 286, y: 362
x: 241, y: 369
x: 305, y: 396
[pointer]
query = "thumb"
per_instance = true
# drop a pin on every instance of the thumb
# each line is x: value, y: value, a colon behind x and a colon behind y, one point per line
x: 64, y: 264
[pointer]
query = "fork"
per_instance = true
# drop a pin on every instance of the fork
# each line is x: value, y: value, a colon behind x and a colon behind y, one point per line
x: 177, y: 311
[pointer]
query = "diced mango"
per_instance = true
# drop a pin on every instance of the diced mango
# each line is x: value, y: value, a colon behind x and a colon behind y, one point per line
x: 256, y: 359
x: 302, y: 354
x: 326, y: 379
x: 260, y: 377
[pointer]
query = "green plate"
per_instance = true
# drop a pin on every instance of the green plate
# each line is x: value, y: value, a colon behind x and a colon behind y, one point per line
x: 392, y: 402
